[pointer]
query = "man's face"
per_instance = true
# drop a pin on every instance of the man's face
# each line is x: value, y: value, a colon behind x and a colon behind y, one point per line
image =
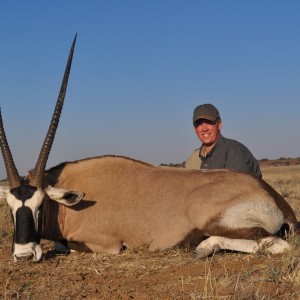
x: 208, y: 131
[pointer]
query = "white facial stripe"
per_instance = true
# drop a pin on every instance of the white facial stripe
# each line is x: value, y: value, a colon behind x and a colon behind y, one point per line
x: 14, y: 204
x: 33, y: 203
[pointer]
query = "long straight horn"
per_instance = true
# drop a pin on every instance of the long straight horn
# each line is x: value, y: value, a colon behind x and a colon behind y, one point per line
x: 38, y: 172
x: 11, y: 170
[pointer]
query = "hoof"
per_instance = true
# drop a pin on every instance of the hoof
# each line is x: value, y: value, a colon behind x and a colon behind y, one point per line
x: 205, y: 252
x: 60, y: 248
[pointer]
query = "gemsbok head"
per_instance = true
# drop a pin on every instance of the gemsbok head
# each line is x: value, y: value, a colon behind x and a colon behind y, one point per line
x: 25, y: 200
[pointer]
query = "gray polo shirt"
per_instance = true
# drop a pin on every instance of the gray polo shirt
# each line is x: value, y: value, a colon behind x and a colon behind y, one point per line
x: 226, y: 154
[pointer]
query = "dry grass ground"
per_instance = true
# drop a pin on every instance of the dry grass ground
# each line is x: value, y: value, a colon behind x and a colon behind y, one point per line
x: 172, y: 274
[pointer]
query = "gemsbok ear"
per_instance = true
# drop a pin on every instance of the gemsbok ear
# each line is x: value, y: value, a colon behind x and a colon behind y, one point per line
x: 65, y: 197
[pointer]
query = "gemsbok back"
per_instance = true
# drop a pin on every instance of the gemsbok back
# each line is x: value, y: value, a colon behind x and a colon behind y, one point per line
x: 108, y: 203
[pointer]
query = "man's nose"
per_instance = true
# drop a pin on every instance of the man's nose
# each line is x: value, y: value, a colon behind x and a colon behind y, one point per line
x: 204, y: 126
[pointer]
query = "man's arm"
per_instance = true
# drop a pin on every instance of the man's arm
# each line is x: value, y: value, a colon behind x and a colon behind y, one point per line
x: 240, y: 158
x: 194, y: 161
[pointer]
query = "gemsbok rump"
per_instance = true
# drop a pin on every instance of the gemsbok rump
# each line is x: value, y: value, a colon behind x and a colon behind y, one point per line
x: 108, y: 203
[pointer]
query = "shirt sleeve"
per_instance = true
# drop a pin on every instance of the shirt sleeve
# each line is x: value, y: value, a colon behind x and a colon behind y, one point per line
x: 194, y: 161
x: 238, y: 157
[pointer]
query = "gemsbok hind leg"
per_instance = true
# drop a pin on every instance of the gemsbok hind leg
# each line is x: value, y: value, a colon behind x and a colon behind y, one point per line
x: 214, y: 244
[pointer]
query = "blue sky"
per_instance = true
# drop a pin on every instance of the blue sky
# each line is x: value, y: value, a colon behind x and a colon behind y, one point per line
x: 139, y: 70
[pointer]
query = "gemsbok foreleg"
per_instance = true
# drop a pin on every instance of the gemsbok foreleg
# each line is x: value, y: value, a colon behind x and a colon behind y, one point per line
x: 214, y: 244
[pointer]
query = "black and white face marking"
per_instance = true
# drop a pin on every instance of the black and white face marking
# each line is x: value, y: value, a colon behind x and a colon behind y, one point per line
x: 25, y: 202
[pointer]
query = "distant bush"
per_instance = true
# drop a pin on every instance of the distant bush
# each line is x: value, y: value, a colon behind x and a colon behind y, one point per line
x: 264, y: 159
x: 178, y: 165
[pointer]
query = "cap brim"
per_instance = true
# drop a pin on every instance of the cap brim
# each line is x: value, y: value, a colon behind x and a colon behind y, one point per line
x: 206, y: 117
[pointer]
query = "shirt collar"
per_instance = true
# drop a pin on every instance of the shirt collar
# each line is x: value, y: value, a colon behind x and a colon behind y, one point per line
x: 203, y: 154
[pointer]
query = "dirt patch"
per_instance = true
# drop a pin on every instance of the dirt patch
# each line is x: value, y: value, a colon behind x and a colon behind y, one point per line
x: 170, y: 274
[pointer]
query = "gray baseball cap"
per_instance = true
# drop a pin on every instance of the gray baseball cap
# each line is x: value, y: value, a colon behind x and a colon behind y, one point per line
x: 206, y: 111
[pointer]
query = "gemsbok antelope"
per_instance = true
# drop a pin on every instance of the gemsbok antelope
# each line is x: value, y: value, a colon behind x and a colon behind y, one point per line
x: 107, y: 203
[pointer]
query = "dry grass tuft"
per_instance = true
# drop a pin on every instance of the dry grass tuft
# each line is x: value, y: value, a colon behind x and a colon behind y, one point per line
x: 286, y: 181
